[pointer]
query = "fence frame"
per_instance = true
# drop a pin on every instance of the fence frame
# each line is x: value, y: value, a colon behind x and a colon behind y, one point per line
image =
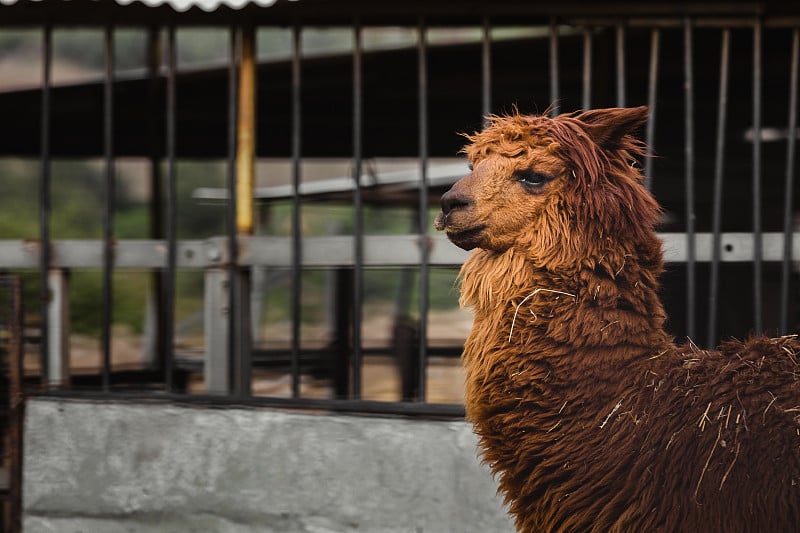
x: 227, y: 259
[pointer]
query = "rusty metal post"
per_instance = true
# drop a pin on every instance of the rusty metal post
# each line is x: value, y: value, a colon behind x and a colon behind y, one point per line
x: 11, y: 404
x: 241, y: 328
x: 17, y: 413
x: 246, y: 148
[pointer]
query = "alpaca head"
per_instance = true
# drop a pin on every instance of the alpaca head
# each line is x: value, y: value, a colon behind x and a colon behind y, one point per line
x: 555, y: 189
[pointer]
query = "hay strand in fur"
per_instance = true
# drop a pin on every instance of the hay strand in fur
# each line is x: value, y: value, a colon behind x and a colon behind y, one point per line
x: 528, y: 297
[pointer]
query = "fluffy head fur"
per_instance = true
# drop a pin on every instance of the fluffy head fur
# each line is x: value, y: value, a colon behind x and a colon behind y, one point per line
x: 590, y: 416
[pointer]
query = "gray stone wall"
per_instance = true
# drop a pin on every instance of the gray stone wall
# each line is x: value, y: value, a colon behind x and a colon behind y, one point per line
x: 119, y: 467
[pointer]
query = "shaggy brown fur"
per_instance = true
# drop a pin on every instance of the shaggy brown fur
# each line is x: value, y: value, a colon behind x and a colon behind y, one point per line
x: 588, y: 413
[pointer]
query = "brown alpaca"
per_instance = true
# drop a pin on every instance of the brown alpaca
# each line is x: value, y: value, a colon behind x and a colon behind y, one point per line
x: 587, y: 412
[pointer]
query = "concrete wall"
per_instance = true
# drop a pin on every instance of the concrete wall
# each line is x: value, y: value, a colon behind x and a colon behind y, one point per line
x: 114, y: 467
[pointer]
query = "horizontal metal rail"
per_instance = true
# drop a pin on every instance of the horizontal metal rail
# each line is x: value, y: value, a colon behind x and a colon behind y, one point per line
x: 676, y: 22
x: 405, y: 409
x: 337, y: 251
x: 326, y: 14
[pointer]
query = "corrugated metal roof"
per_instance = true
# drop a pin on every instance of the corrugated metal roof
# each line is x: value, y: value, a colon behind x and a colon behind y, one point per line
x: 205, y: 5
x: 179, y: 5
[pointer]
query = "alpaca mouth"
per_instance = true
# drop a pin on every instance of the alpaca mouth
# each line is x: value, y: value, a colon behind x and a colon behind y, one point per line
x: 463, y: 238
x: 466, y: 239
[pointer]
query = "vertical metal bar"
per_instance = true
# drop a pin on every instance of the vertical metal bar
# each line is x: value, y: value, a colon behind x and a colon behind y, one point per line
x: 587, y: 69
x: 11, y: 344
x: 620, y: 49
x: 246, y: 141
x: 689, y: 200
x: 233, y: 247
x: 216, y: 324
x: 424, y: 269
x: 16, y: 415
x: 716, y: 220
x: 171, y: 214
x: 788, y: 195
x: 108, y: 215
x: 296, y: 218
x: 358, y: 267
x: 154, y: 326
x: 340, y: 296
x: 554, y: 94
x: 486, y: 62
x: 245, y: 219
x: 58, y: 325
x: 44, y: 205
x: 757, y: 245
x: 652, y: 92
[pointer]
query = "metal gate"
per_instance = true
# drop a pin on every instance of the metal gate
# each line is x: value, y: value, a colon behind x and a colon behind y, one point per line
x: 721, y: 86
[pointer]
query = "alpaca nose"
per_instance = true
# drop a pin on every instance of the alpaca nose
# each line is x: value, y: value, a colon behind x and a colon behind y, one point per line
x: 452, y: 200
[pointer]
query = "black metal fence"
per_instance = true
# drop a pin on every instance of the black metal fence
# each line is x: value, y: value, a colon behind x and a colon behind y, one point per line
x: 11, y: 404
x: 722, y: 91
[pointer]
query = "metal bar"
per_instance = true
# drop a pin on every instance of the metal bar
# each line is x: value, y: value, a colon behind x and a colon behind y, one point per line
x: 44, y: 204
x: 168, y: 303
x: 736, y: 247
x: 108, y: 214
x: 242, y: 332
x: 788, y: 195
x: 689, y: 184
x: 233, y: 249
x: 780, y: 21
x: 279, y: 357
x: 486, y: 63
x: 59, y: 327
x: 155, y: 320
x: 358, y: 267
x: 129, y: 253
x: 716, y: 222
x: 587, y: 69
x: 676, y: 22
x: 699, y: 20
x: 620, y: 50
x: 216, y: 315
x: 554, y: 94
x: 246, y: 140
x: 652, y: 92
x: 403, y: 250
x: 16, y: 403
x: 296, y: 206
x: 424, y: 221
x: 757, y: 260
x: 340, y: 294
x: 337, y: 251
x: 416, y: 409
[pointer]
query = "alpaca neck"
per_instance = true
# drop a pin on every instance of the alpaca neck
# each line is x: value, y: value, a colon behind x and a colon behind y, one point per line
x: 608, y: 307
x: 537, y: 333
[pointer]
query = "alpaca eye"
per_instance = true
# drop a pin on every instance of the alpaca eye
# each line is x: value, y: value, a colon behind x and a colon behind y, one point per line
x: 532, y: 180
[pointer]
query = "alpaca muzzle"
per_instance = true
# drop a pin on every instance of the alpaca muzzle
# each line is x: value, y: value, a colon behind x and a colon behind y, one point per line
x: 451, y: 201
x: 462, y: 232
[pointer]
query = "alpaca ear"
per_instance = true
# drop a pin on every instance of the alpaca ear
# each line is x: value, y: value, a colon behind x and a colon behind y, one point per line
x: 607, y: 127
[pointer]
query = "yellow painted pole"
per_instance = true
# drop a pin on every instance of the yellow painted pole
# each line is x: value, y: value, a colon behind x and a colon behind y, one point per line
x: 246, y: 149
